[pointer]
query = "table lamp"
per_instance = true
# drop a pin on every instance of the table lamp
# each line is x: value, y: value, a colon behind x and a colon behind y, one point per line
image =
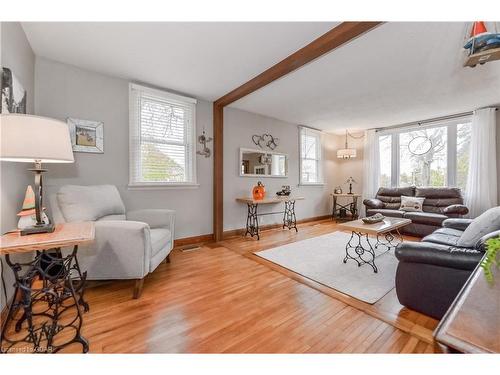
x: 34, y: 139
x: 350, y: 181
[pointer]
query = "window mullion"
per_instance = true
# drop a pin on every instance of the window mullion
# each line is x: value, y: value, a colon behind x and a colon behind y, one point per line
x: 451, y: 163
x: 395, y: 160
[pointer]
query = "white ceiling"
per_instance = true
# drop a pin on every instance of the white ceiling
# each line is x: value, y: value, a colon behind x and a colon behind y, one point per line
x: 205, y: 60
x: 397, y: 73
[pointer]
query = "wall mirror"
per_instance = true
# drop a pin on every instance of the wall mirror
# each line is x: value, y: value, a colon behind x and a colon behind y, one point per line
x: 260, y: 163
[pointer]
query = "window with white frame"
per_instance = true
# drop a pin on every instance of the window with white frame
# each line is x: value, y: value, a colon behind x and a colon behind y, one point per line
x: 162, y: 138
x: 436, y: 154
x: 311, y: 161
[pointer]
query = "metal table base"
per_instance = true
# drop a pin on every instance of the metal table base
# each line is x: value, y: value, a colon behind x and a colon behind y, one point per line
x: 365, y: 254
x: 49, y: 291
x: 252, y: 225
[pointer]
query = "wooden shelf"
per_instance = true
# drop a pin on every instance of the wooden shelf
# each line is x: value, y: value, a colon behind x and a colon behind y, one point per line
x: 482, y: 57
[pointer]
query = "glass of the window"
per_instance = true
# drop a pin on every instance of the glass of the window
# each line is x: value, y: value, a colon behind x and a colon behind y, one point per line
x: 423, y: 164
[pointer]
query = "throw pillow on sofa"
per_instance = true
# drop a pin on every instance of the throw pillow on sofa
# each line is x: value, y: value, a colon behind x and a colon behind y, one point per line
x: 411, y: 204
x: 485, y: 223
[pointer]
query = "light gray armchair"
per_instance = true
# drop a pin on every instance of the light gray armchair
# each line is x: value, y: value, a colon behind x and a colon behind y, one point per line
x: 128, y: 244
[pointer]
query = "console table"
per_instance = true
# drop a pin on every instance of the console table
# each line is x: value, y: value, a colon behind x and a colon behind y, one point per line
x: 289, y: 219
x: 472, y: 323
x: 45, y: 314
x: 352, y: 206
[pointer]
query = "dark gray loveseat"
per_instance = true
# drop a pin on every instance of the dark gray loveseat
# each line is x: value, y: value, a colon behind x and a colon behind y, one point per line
x: 439, y: 205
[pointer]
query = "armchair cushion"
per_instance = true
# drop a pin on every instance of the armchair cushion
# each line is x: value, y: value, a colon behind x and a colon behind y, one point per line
x: 459, y: 224
x: 373, y: 203
x: 439, y: 255
x: 485, y: 223
x: 444, y: 236
x: 89, y: 203
x: 425, y: 218
x: 385, y: 212
x: 112, y: 217
x: 456, y: 209
x: 155, y: 218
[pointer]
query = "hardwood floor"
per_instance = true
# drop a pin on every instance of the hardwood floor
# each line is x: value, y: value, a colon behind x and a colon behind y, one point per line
x: 223, y: 299
x: 387, y: 309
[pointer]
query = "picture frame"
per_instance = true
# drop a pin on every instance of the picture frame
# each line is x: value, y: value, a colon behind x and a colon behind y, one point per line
x: 13, y: 96
x: 86, y: 135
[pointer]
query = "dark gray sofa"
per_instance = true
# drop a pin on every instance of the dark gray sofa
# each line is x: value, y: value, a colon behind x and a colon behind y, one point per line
x: 431, y: 273
x: 439, y: 205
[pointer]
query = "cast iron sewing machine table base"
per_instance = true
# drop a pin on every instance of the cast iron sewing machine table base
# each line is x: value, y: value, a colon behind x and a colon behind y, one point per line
x: 46, y: 312
x: 360, y: 249
x: 50, y: 295
x: 252, y: 223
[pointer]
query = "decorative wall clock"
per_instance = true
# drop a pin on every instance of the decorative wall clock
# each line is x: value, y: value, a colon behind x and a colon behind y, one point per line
x: 420, y: 145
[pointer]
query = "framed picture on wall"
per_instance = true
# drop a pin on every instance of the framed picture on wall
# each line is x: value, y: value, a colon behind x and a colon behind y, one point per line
x: 13, y: 98
x: 86, y: 135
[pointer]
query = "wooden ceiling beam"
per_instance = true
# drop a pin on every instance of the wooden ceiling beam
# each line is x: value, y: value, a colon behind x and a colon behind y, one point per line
x: 336, y: 37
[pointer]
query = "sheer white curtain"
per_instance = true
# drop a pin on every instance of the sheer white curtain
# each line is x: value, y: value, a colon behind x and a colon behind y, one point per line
x: 371, y: 164
x: 481, y: 190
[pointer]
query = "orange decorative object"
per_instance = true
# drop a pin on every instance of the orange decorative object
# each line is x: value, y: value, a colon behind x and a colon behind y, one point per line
x: 259, y: 191
x: 478, y: 28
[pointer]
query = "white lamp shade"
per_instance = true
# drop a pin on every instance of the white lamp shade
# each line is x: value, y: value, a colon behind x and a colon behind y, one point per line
x: 26, y: 138
x: 346, y: 153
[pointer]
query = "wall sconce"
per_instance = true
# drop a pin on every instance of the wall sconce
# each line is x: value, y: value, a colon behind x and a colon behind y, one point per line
x: 203, y: 139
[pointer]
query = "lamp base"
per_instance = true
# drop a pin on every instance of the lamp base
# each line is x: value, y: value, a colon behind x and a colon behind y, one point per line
x: 41, y: 228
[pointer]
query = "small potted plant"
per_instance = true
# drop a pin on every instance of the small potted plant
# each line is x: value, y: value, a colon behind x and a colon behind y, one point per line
x: 490, y: 259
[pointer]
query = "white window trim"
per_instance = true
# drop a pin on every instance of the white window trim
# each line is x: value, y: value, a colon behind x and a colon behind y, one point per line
x: 133, y: 185
x: 451, y: 146
x: 321, y: 181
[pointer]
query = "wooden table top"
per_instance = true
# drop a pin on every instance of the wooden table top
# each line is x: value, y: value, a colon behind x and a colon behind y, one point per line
x: 68, y: 234
x: 387, y: 225
x: 269, y: 200
x: 472, y: 323
x: 345, y: 195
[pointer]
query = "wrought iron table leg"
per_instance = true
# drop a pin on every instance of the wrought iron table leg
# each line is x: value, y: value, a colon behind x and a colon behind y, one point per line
x: 355, y: 208
x: 289, y: 219
x: 78, y: 336
x: 252, y: 227
x: 334, y: 210
x: 82, y: 278
x: 390, y: 240
x: 56, y: 296
x: 362, y: 255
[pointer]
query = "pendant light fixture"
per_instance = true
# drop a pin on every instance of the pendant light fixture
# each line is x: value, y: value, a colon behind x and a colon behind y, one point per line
x: 346, y: 153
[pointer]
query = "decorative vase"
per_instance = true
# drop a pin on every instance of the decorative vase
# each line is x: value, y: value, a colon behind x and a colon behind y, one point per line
x: 259, y: 191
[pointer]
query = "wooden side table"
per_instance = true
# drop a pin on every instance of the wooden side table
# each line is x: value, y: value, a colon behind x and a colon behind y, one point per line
x: 351, y: 207
x: 48, y: 296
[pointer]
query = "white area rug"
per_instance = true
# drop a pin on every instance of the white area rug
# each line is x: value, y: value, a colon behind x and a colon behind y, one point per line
x: 320, y: 259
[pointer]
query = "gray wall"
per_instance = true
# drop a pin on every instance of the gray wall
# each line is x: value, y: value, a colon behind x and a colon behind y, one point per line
x: 17, y: 55
x: 65, y: 91
x: 239, y: 126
